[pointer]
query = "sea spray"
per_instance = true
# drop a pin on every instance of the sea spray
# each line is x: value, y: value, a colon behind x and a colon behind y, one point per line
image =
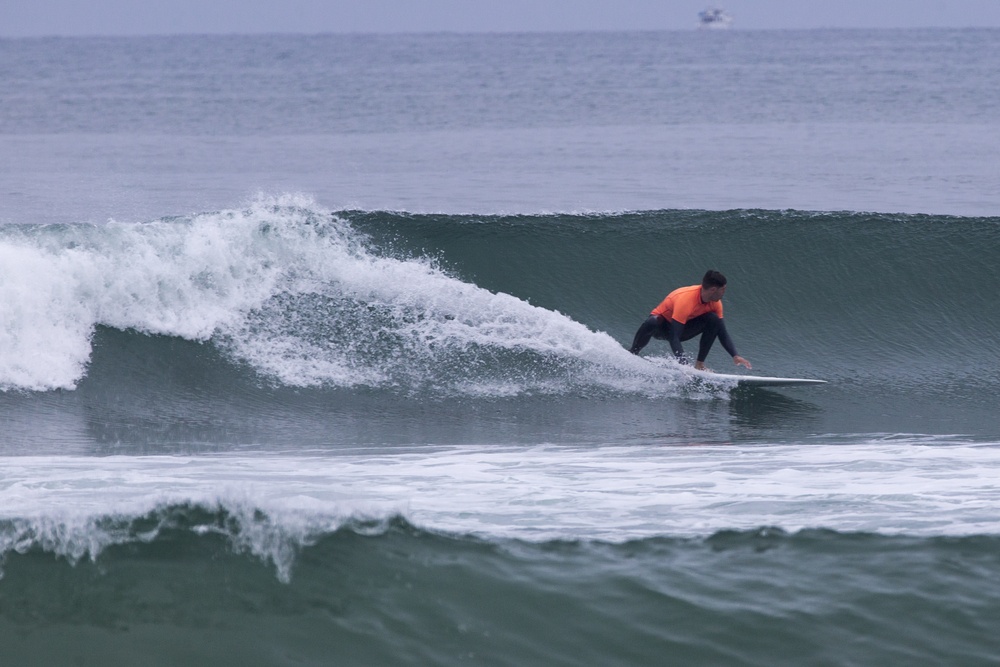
x: 298, y: 295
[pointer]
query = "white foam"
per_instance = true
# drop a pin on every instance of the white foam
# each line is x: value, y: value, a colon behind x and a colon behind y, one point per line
x: 189, y: 278
x: 44, y: 339
x: 298, y: 295
x: 894, y: 486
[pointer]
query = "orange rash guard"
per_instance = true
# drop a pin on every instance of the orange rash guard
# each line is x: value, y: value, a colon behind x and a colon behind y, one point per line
x: 685, y: 303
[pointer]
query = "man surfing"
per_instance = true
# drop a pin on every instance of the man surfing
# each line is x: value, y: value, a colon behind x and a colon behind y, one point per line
x: 687, y: 312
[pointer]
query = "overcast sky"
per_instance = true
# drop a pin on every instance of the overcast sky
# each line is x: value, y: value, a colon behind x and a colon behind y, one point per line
x: 21, y: 18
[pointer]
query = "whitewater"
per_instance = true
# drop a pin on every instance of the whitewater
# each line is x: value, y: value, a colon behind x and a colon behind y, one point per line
x: 936, y: 487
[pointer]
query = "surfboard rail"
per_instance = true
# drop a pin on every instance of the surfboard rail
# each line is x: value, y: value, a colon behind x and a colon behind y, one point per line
x: 752, y: 380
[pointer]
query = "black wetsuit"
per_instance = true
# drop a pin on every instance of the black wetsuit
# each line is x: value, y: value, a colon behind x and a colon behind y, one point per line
x: 709, y: 325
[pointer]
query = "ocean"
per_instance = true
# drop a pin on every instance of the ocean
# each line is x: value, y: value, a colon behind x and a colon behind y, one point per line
x: 313, y: 349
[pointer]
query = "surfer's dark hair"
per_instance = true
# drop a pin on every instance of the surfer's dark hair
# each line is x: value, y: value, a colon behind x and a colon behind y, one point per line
x: 713, y: 279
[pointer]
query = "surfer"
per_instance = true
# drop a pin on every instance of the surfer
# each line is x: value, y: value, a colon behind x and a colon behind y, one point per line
x: 686, y: 313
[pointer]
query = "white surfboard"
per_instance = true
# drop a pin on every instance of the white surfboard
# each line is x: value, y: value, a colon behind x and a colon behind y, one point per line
x: 752, y: 380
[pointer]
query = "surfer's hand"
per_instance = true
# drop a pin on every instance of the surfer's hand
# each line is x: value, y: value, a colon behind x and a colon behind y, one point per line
x: 740, y: 361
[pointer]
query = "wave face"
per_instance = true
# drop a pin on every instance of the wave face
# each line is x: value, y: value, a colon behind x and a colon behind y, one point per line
x: 848, y: 288
x: 285, y: 307
x: 191, y: 584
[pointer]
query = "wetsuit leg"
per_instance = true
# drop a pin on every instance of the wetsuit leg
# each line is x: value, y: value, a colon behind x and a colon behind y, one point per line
x: 653, y: 326
x: 708, y: 335
x: 710, y: 326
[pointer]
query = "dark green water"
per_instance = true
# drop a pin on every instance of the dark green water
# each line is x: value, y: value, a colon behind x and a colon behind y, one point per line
x: 391, y: 594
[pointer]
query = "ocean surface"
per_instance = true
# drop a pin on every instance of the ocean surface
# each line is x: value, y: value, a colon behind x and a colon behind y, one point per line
x: 312, y: 349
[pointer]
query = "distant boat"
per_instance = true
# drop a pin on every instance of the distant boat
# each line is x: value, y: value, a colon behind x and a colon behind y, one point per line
x: 714, y: 19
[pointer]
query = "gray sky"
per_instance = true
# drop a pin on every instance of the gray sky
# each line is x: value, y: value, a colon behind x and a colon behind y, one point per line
x: 21, y: 18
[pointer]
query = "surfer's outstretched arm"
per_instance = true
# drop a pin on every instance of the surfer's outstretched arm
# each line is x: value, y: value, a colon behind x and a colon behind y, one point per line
x: 727, y: 344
